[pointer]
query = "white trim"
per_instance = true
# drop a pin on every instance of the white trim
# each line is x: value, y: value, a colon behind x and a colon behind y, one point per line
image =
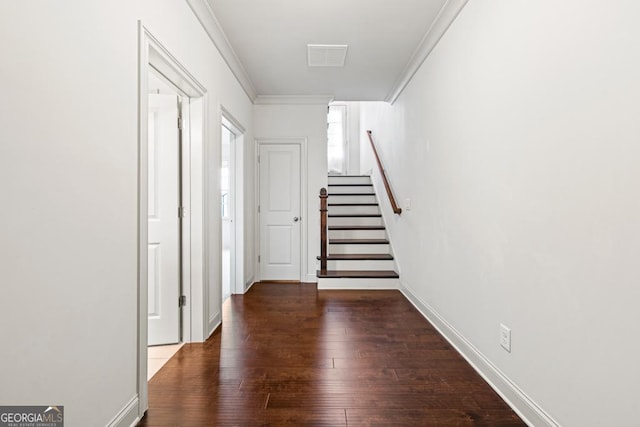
x: 311, y: 278
x: 238, y: 169
x: 304, y: 233
x: 152, y: 54
x: 249, y: 284
x: 293, y: 99
x: 128, y: 415
x: 239, y: 129
x: 523, y: 405
x: 216, y: 321
x: 448, y: 13
x: 209, y: 22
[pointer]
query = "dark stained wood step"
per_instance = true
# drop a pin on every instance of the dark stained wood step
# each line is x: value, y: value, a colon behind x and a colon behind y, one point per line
x: 353, y: 204
x: 355, y: 215
x: 351, y: 194
x: 358, y: 274
x: 350, y: 185
x: 359, y: 257
x: 356, y: 227
x: 358, y: 242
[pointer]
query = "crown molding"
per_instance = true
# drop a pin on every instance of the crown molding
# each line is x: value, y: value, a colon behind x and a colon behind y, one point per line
x: 448, y: 13
x: 293, y: 99
x: 203, y: 12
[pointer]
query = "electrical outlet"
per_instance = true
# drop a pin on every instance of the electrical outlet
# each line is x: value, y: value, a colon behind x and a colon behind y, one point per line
x: 505, y: 337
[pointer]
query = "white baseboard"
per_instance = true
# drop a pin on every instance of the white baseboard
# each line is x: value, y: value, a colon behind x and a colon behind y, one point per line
x: 214, y: 322
x: 523, y: 405
x: 128, y: 416
x: 249, y: 284
x: 311, y: 278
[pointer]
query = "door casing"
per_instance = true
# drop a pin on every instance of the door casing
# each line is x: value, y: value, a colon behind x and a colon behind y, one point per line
x: 152, y: 54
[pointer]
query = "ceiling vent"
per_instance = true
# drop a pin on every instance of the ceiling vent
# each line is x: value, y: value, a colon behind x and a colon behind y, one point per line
x: 326, y: 55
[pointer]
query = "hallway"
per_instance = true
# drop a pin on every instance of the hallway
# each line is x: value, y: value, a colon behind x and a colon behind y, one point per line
x: 292, y: 355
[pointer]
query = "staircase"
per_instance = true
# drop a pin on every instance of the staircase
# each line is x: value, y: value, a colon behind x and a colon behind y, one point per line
x: 358, y: 252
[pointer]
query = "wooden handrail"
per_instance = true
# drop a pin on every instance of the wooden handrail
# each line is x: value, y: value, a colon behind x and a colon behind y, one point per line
x: 323, y: 230
x: 387, y: 186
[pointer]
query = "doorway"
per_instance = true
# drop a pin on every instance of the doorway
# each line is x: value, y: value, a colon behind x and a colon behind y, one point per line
x: 227, y: 203
x: 193, y: 231
x: 164, y: 189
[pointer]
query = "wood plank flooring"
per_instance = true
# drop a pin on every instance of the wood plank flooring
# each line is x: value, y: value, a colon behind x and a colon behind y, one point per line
x: 290, y: 355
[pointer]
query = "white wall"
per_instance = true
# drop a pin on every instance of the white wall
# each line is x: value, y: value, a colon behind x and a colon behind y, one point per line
x: 308, y: 121
x: 518, y: 143
x: 68, y: 168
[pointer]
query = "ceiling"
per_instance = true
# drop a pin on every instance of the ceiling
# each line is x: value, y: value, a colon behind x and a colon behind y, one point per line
x: 269, y: 38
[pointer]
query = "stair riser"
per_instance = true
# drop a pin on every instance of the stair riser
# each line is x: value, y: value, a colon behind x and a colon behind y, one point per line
x: 352, y: 199
x: 354, y: 210
x: 349, y: 190
x: 358, y: 249
x: 361, y: 265
x: 351, y: 221
x: 349, y: 180
x: 358, y: 283
x: 357, y: 234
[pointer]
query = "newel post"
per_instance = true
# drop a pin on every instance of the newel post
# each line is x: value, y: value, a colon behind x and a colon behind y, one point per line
x: 323, y: 230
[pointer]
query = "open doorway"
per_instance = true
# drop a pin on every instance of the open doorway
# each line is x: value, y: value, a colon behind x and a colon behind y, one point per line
x: 185, y: 98
x: 164, y: 189
x: 165, y: 207
x: 232, y: 205
x: 227, y: 203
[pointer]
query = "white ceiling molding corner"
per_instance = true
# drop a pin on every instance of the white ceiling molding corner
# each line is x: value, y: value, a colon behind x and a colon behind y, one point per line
x: 204, y: 14
x: 439, y: 27
x: 293, y: 99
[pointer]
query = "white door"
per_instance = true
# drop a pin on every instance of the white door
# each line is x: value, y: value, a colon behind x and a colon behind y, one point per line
x: 164, y: 220
x: 280, y: 221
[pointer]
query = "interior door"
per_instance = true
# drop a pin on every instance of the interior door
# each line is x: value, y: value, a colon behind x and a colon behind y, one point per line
x: 280, y: 222
x: 164, y: 220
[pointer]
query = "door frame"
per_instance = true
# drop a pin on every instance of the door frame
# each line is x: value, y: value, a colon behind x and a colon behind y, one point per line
x: 232, y: 217
x: 237, y: 238
x: 302, y: 143
x: 152, y: 54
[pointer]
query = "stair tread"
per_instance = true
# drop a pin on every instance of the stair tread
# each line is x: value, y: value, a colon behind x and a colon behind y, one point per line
x: 358, y: 274
x: 351, y: 194
x: 350, y: 185
x: 356, y: 227
x: 359, y: 257
x: 353, y: 204
x: 358, y: 241
x: 355, y: 215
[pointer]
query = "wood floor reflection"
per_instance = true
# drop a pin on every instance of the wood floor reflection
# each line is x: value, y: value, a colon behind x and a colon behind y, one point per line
x: 292, y: 355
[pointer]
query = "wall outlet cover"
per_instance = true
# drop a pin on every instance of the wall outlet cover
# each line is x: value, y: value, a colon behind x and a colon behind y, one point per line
x: 505, y: 337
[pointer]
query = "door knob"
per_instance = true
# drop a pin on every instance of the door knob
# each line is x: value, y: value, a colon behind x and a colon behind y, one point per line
x: 296, y: 219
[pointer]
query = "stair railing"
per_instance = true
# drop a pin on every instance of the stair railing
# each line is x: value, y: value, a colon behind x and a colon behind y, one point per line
x: 323, y: 230
x: 396, y: 209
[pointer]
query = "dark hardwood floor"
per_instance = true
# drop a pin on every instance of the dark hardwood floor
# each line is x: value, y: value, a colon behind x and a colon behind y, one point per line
x: 292, y: 355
